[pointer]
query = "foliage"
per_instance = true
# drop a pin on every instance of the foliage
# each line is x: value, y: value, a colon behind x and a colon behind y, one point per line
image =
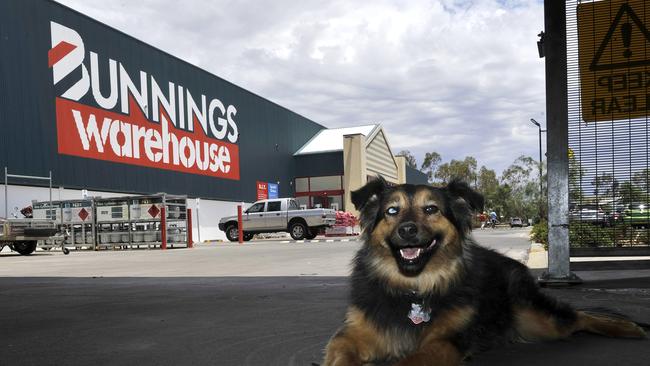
x: 410, y: 159
x: 457, y: 169
x: 519, y: 193
x: 576, y: 172
x: 430, y: 164
x: 539, y: 233
x: 514, y: 194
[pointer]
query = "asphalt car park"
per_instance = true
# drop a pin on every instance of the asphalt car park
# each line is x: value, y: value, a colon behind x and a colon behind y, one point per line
x: 267, y: 302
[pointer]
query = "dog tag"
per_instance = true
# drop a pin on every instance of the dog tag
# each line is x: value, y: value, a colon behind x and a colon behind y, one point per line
x: 418, y: 314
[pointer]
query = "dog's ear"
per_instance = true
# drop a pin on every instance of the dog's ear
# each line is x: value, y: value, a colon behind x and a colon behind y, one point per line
x: 460, y: 189
x: 367, y: 200
x: 371, y: 191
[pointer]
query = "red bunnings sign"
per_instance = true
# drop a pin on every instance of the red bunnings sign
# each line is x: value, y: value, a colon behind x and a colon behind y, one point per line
x: 164, y: 126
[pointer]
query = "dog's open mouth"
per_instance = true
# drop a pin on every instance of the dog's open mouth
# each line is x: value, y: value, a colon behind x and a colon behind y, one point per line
x: 413, y: 253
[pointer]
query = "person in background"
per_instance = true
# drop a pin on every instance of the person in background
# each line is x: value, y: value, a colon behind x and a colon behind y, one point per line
x: 493, y: 219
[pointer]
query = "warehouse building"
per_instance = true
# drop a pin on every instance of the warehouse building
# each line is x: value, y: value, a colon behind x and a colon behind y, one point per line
x: 107, y: 113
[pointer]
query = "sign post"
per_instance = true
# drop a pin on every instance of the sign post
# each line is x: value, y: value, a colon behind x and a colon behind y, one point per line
x: 198, y: 220
x: 240, y: 225
x: 613, y: 40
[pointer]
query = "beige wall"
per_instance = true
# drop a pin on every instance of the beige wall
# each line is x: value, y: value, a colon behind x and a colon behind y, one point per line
x: 354, y: 168
x: 401, y: 169
x: 380, y: 159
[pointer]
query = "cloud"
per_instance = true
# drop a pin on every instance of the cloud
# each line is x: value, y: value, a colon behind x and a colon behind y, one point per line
x: 457, y: 77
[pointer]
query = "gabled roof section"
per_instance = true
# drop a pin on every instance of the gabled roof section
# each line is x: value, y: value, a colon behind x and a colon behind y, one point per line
x: 330, y: 140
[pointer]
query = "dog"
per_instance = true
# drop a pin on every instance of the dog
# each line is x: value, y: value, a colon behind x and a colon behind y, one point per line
x: 423, y: 292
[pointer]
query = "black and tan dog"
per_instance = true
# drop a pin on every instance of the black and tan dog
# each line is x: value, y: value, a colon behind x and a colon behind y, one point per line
x: 424, y: 293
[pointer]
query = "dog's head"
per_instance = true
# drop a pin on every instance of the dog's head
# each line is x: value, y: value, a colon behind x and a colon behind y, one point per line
x: 419, y: 225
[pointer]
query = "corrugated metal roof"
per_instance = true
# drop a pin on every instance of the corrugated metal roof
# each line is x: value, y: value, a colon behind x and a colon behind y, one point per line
x: 331, y: 139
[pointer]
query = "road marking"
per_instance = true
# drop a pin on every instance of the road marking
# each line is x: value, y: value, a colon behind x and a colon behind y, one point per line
x: 329, y: 240
x: 300, y: 241
x: 285, y: 241
x: 315, y: 241
x: 345, y: 239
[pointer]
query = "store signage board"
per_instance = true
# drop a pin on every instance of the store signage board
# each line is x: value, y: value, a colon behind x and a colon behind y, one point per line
x: 614, y: 53
x: 262, y: 190
x: 273, y: 190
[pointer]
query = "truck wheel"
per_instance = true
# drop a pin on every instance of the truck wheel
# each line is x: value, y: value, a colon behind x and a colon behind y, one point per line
x: 312, y: 234
x: 298, y: 231
x: 25, y: 247
x: 232, y: 233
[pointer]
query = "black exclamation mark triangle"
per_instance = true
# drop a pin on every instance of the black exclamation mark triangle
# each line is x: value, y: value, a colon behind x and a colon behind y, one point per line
x: 626, y: 32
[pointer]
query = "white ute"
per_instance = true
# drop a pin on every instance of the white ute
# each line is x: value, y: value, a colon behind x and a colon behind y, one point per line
x: 275, y: 215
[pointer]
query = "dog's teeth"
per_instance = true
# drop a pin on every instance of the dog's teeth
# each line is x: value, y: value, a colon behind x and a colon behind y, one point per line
x: 410, y: 253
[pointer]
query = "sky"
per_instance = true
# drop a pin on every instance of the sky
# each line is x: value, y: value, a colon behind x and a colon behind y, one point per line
x: 456, y: 77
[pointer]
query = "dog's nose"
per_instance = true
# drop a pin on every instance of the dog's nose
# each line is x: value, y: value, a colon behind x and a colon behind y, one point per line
x: 407, y: 230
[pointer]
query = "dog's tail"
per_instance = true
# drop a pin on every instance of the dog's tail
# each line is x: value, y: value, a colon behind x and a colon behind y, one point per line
x: 609, y: 323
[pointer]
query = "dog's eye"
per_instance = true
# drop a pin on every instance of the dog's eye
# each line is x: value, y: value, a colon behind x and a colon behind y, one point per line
x: 392, y: 211
x: 431, y: 209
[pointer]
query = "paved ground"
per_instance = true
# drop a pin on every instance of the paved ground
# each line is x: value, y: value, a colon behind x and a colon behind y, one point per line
x: 321, y: 257
x: 265, y: 303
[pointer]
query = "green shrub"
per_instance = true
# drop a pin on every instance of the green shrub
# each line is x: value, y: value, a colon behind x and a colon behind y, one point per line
x: 586, y: 235
x: 539, y: 233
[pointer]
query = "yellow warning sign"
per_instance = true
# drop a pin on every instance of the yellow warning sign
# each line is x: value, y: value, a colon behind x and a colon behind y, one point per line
x: 614, y: 54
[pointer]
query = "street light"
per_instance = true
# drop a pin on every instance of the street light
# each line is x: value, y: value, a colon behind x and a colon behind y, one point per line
x: 541, y: 187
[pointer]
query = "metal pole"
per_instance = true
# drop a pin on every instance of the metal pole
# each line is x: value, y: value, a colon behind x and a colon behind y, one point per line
x: 557, y: 144
x: 6, y: 193
x: 188, y: 224
x: 240, y: 225
x: 541, y: 186
x: 198, y: 223
x: 51, y: 206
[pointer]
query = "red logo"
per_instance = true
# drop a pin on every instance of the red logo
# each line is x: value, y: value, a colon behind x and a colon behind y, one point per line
x: 161, y: 125
x: 83, y: 214
x: 153, y: 211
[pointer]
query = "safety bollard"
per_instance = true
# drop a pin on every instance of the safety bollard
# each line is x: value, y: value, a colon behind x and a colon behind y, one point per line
x: 240, y: 225
x: 190, y: 240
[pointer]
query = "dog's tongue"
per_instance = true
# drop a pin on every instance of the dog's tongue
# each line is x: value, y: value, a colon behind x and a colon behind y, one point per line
x: 410, y: 253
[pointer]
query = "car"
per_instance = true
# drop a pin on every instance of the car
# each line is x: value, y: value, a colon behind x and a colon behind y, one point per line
x: 637, y: 215
x: 588, y: 213
x: 277, y: 215
x: 516, y: 222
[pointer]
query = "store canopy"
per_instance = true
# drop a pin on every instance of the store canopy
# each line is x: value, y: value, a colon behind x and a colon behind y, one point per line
x: 330, y: 140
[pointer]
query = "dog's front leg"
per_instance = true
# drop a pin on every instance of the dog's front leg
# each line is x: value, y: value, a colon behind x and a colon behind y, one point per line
x: 356, y: 343
x: 433, y: 353
x: 343, y: 350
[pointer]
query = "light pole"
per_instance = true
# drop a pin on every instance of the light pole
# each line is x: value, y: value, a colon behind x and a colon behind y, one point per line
x: 541, y: 184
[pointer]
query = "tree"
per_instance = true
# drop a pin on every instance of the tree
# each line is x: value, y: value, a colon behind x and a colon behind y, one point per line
x: 410, y: 159
x: 576, y: 172
x: 641, y: 179
x: 464, y: 170
x: 488, y: 185
x: 522, y: 180
x: 631, y: 193
x: 430, y: 164
x: 605, y: 184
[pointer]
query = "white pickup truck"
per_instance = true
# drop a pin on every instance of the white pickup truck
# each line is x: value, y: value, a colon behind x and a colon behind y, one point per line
x: 274, y: 215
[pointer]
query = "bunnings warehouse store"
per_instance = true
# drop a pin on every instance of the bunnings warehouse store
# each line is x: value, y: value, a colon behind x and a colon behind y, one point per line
x: 107, y: 113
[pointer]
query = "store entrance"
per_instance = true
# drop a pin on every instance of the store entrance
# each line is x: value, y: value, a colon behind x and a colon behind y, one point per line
x: 323, y: 201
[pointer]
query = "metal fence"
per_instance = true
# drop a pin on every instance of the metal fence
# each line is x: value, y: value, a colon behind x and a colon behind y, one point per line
x: 608, y: 46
